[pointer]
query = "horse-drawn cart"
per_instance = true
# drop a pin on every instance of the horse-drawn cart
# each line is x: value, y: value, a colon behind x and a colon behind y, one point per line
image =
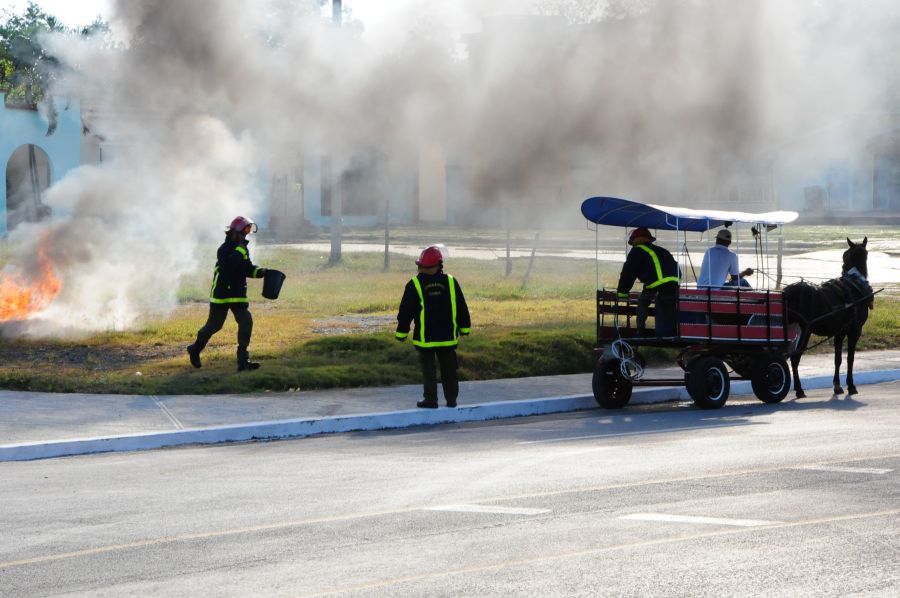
x: 723, y: 333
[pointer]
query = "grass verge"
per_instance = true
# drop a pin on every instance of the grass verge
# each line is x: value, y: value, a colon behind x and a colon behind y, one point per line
x: 333, y: 327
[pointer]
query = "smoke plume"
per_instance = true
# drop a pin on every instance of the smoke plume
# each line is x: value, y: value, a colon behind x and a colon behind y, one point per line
x: 665, y: 101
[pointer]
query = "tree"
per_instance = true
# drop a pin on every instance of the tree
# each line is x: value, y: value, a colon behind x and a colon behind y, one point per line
x: 25, y: 67
x: 27, y: 70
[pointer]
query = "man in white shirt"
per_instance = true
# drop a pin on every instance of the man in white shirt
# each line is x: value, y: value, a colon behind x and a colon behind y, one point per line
x: 719, y: 262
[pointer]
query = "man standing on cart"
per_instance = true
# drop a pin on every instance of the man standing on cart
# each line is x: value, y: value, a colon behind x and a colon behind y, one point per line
x: 657, y: 269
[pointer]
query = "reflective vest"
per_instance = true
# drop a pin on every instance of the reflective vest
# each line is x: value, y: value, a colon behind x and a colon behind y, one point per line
x: 654, y: 266
x: 233, y: 267
x: 660, y: 279
x: 437, y: 306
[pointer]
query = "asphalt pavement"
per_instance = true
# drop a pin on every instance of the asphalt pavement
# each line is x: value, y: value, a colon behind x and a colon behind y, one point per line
x: 43, y: 425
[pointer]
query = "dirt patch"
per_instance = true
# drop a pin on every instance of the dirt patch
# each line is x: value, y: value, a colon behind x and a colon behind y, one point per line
x: 353, y: 324
x: 33, y: 355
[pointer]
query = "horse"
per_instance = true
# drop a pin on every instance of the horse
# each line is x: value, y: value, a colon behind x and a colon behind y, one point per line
x: 838, y: 308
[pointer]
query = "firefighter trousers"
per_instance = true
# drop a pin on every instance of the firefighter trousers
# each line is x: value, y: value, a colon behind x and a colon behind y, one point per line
x: 666, y: 296
x: 217, y: 314
x: 446, y: 359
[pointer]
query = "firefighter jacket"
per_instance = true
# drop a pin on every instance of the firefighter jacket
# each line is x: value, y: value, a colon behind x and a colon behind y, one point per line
x: 233, y: 267
x: 436, y: 304
x: 649, y: 263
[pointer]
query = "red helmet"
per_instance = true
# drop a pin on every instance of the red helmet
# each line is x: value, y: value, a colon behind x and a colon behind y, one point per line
x: 240, y: 223
x: 640, y: 233
x: 430, y: 257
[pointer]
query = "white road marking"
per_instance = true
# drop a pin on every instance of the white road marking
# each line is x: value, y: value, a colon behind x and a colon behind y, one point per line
x: 839, y: 469
x: 639, y: 433
x: 380, y: 584
x: 692, y: 519
x: 168, y: 413
x: 487, y: 509
x: 582, y: 451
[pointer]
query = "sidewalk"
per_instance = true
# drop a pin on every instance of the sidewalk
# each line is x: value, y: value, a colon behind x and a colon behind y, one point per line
x: 41, y: 425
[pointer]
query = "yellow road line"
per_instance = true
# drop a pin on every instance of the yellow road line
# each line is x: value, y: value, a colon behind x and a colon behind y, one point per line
x: 198, y: 536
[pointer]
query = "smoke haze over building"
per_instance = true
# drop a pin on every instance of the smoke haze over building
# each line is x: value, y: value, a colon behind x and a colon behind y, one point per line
x: 662, y: 101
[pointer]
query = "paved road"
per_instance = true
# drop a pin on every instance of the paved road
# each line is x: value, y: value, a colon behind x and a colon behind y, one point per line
x: 41, y: 425
x: 796, y: 499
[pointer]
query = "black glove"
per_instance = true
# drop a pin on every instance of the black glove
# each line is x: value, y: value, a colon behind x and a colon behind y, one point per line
x: 261, y: 273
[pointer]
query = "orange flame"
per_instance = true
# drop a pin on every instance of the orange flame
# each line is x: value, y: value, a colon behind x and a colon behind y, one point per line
x: 19, y: 299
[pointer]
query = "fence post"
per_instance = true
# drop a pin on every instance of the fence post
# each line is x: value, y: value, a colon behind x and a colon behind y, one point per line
x: 387, y: 233
x: 778, y: 263
x: 537, y: 238
x: 508, y: 238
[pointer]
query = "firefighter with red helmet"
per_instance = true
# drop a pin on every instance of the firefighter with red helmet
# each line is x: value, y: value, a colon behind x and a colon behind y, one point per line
x: 229, y: 293
x: 435, y: 302
x: 657, y: 269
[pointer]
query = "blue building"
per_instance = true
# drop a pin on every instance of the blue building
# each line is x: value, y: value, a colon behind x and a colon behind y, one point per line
x: 35, y: 155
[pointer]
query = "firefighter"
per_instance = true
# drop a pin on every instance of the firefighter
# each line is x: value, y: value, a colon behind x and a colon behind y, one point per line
x: 657, y: 269
x: 435, y: 302
x: 229, y: 293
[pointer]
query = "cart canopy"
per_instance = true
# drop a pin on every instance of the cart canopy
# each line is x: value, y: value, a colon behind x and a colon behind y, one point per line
x: 613, y: 211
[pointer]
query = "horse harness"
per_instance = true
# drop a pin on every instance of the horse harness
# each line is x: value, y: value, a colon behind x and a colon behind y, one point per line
x: 840, y: 294
x: 846, y: 292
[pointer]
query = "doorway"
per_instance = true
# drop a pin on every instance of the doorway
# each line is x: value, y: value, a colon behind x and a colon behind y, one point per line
x: 27, y: 178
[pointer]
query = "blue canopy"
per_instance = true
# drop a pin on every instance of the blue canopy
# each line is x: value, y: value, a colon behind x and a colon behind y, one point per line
x: 613, y: 211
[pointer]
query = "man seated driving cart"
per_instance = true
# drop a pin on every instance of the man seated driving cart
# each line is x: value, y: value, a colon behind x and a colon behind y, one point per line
x: 719, y: 262
x: 657, y: 269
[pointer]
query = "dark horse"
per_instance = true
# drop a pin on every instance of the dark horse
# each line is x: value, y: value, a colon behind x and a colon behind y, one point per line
x: 838, y: 308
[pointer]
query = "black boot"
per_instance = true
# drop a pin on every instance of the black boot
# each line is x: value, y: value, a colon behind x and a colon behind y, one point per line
x: 194, y: 355
x: 243, y: 361
x: 426, y: 404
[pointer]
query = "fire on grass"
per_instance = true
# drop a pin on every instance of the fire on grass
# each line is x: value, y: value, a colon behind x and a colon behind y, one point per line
x: 20, y: 298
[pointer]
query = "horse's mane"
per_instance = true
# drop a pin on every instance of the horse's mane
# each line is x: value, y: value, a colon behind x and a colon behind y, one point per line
x: 845, y: 289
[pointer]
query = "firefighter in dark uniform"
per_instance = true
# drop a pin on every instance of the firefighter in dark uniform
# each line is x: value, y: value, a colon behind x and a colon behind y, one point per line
x: 229, y: 293
x: 435, y: 302
x: 658, y: 270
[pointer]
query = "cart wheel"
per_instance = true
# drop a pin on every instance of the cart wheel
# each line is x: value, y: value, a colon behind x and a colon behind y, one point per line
x: 611, y: 389
x: 771, y: 379
x: 707, y: 382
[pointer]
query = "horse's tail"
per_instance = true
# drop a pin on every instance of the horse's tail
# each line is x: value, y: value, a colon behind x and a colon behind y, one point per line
x: 798, y: 301
x: 798, y: 307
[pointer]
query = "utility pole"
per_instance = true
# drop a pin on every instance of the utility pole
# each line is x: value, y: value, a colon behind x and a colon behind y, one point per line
x: 387, y: 234
x: 508, y: 237
x: 337, y: 207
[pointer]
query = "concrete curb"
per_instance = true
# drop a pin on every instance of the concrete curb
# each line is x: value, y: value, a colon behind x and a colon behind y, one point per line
x: 300, y: 428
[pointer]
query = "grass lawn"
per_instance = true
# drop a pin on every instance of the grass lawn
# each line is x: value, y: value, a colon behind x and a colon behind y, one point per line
x: 333, y: 327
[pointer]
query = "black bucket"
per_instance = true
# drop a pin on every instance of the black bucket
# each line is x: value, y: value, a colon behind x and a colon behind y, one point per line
x: 272, y: 282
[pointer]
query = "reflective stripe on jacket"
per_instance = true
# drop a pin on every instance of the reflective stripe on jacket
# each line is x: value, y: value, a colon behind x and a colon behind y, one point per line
x: 651, y: 264
x: 435, y: 302
x: 233, y: 267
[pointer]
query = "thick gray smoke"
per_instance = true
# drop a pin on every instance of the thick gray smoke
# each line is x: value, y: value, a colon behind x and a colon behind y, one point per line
x: 665, y: 101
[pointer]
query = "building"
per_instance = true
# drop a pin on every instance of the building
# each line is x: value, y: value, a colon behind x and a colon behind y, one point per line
x: 36, y: 154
